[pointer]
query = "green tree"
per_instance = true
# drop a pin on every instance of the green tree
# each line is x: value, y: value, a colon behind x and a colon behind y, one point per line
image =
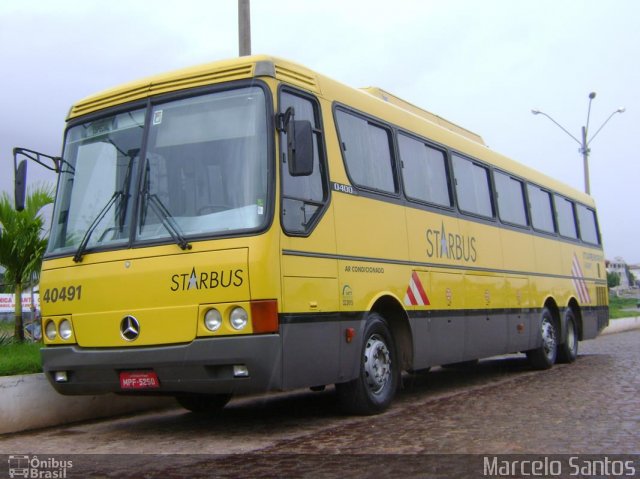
x: 613, y: 279
x: 22, y: 245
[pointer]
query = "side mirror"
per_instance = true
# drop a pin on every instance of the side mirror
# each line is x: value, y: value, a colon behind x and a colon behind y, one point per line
x: 300, y: 147
x: 20, y: 186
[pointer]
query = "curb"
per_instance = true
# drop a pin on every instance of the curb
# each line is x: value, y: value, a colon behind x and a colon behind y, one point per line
x: 30, y: 402
x: 621, y: 325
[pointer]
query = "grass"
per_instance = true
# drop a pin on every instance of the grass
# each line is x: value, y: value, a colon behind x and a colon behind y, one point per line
x: 617, y: 307
x: 18, y: 358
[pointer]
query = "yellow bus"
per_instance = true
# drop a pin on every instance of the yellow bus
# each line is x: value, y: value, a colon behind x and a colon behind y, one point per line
x: 250, y: 225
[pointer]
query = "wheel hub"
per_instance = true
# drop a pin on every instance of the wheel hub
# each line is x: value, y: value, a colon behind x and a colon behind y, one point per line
x: 571, y: 337
x: 377, y: 363
x: 548, y: 338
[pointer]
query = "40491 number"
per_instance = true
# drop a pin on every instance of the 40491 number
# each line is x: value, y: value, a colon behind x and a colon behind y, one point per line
x: 66, y: 293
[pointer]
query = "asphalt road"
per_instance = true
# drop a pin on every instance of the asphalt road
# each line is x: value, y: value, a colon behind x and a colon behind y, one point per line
x: 442, y: 424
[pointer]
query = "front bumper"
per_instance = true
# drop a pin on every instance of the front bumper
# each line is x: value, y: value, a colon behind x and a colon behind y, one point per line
x: 203, y: 366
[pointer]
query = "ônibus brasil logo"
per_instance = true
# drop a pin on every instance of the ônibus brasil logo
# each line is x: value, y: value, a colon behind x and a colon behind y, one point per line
x: 35, y: 467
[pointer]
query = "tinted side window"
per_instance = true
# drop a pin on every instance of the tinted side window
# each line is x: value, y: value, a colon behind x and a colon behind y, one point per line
x: 588, y: 225
x: 541, y: 209
x: 367, y: 152
x: 472, y: 187
x: 303, y: 197
x: 424, y: 172
x: 566, y: 217
x: 510, y: 193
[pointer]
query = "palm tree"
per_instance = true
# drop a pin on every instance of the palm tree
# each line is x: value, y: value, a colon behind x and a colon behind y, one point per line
x: 22, y: 245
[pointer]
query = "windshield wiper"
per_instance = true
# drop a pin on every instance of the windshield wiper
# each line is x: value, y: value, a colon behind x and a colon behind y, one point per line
x: 167, y: 220
x: 120, y: 197
x: 87, y: 236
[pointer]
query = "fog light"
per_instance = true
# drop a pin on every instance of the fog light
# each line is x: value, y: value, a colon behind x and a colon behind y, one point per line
x: 240, y: 371
x: 50, y: 330
x: 60, y: 376
x: 238, y: 318
x: 213, y: 320
x: 65, y: 329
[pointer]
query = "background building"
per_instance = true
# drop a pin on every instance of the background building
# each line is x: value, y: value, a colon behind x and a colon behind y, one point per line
x: 620, y: 267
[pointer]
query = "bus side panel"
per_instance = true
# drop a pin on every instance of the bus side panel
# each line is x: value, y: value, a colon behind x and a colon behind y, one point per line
x: 487, y: 323
x: 310, y: 328
x: 446, y: 332
x: 446, y: 339
x: 311, y: 350
x: 520, y: 321
x: 548, y: 258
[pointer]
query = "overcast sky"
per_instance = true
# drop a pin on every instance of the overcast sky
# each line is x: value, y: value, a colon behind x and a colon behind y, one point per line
x: 483, y: 64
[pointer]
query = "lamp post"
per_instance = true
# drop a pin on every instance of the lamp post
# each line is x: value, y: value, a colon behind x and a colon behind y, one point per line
x: 585, y: 141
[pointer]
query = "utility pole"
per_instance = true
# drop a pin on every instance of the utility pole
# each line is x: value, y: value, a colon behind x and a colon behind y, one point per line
x: 244, y: 27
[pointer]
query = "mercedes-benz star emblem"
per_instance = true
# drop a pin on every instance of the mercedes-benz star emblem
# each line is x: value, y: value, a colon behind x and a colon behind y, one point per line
x: 129, y: 328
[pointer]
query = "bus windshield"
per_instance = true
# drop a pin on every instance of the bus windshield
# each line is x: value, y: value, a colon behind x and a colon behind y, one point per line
x: 203, y: 173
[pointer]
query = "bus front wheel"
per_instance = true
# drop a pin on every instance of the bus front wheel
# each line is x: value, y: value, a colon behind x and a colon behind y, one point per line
x: 203, y: 403
x: 545, y: 355
x: 375, y: 387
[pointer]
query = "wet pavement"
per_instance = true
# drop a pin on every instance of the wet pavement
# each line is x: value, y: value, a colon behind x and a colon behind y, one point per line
x: 442, y: 424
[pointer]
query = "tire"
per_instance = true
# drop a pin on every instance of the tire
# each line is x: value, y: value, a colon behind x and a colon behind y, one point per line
x: 203, y: 403
x: 375, y: 387
x: 545, y: 356
x: 568, y: 350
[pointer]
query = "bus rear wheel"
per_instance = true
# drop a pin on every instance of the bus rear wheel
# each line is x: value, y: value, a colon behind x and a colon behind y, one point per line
x: 545, y: 355
x: 203, y: 403
x: 568, y: 351
x: 375, y: 387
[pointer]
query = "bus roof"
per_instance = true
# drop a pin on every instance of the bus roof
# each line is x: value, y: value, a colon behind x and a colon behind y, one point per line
x: 372, y: 100
x: 427, y: 115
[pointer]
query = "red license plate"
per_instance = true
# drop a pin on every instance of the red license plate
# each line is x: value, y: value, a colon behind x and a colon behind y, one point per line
x: 139, y: 380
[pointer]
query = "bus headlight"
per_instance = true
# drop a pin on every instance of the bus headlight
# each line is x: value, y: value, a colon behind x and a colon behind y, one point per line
x: 65, y: 329
x: 238, y: 318
x: 213, y: 320
x: 50, y: 330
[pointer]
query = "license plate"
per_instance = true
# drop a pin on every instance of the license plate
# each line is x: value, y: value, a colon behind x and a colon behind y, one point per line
x: 139, y: 380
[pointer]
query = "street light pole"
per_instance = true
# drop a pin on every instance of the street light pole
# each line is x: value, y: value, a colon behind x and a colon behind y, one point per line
x: 585, y: 160
x: 584, y: 142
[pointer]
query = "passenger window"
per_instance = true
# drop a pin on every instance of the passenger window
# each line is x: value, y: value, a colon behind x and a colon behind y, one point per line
x: 566, y: 217
x: 472, y: 187
x: 367, y: 152
x: 510, y: 194
x: 424, y: 172
x: 541, y: 209
x: 588, y: 225
x: 303, y: 197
